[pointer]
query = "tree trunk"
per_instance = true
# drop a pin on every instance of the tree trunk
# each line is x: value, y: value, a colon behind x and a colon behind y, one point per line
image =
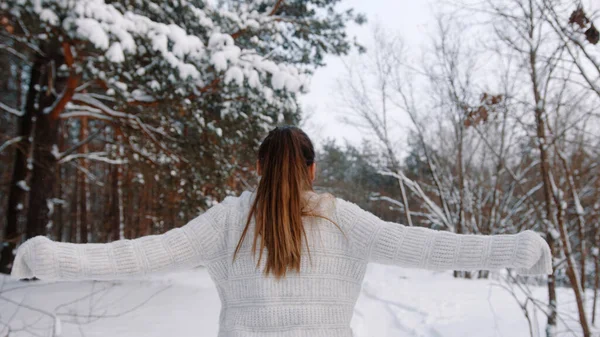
x: 16, y: 194
x: 583, y: 253
x: 573, y: 275
x: 107, y: 217
x: 60, y: 212
x: 552, y: 305
x: 461, y: 193
x: 83, y: 193
x: 73, y: 237
x: 116, y: 202
x: 551, y: 198
x: 580, y: 220
x: 44, y: 170
x: 45, y: 147
x: 45, y: 161
x: 596, y: 286
x: 545, y: 173
x: 142, y: 209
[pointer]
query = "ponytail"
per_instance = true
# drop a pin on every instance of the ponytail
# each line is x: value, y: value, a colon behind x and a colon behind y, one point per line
x: 284, y: 160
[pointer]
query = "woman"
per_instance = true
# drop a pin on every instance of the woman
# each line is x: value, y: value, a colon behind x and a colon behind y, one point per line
x: 313, y: 250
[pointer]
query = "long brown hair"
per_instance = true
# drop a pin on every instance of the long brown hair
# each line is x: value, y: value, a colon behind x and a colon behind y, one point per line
x: 284, y: 159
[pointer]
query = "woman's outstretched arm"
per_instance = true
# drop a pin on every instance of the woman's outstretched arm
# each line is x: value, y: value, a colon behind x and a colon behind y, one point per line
x: 419, y: 247
x: 179, y: 248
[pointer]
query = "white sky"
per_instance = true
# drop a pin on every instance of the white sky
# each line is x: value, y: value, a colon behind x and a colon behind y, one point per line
x: 408, y: 18
x: 412, y: 20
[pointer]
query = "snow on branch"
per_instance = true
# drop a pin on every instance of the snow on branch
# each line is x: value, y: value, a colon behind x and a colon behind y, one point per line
x: 11, y: 50
x: 80, y: 113
x: 191, y: 55
x: 389, y: 200
x: 135, y: 121
x: 10, y: 142
x: 97, y: 156
x: 436, y: 214
x: 11, y: 110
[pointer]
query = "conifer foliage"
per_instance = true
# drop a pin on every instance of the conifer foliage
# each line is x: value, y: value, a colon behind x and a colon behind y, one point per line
x: 134, y: 115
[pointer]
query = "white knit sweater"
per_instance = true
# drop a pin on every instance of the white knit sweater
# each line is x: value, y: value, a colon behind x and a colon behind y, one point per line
x: 318, y: 301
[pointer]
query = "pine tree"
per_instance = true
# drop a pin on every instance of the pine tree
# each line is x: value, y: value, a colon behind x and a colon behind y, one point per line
x: 176, y: 91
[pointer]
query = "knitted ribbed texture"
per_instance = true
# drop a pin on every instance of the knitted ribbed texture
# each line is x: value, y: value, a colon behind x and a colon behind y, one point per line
x: 317, y: 301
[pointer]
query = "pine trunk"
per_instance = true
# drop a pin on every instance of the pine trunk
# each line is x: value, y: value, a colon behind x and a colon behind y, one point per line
x: 45, y: 161
x: 44, y: 170
x: 83, y: 193
x: 74, y: 209
x: 16, y: 194
x: 115, y: 200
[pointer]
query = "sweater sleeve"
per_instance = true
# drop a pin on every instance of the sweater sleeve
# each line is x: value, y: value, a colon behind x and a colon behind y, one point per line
x: 179, y: 248
x: 418, y: 247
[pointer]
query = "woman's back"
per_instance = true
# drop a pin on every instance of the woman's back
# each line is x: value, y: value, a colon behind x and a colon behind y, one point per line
x: 317, y: 301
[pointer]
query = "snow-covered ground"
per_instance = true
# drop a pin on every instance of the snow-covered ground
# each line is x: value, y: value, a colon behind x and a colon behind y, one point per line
x: 394, y: 302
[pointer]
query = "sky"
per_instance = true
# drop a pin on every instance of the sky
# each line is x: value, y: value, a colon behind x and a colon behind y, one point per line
x: 413, y: 21
x: 407, y: 18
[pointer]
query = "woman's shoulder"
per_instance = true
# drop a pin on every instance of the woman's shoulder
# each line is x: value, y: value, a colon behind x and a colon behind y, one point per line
x: 341, y: 210
x: 243, y: 198
x: 237, y: 202
x: 343, y: 205
x: 350, y: 213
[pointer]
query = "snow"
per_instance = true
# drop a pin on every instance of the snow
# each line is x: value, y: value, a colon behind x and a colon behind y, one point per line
x: 217, y: 40
x: 159, y: 43
x: 578, y: 207
x: 219, y: 61
x: 278, y: 80
x: 119, y: 34
x: 10, y: 142
x: 55, y: 152
x: 11, y: 110
x: 187, y: 71
x: 183, y: 44
x: 154, y: 85
x: 49, y: 16
x: 202, y: 18
x: 92, y: 30
x: 394, y: 302
x: 252, y: 24
x: 234, y: 74
x: 50, y: 205
x: 253, y: 79
x: 115, y: 53
x: 121, y: 86
x: 555, y: 234
x: 22, y: 184
x: 539, y: 105
x: 563, y: 205
x: 141, y: 96
x: 57, y: 327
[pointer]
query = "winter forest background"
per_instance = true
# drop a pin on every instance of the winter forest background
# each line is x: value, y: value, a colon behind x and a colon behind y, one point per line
x: 126, y: 118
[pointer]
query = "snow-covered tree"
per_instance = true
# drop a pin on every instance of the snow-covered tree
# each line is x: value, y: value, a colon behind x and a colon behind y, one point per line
x: 186, y: 86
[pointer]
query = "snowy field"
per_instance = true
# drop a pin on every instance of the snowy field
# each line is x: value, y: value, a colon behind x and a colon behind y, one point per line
x: 394, y: 302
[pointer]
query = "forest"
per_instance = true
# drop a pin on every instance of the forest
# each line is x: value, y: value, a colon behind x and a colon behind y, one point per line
x: 124, y: 118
